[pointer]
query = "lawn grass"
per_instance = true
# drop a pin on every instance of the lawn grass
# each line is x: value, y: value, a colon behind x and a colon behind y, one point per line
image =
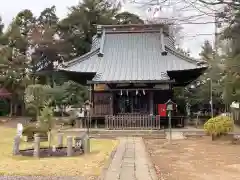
x: 85, y: 165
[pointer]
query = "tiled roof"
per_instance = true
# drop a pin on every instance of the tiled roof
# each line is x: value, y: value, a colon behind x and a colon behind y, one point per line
x: 131, y: 57
x: 86, y: 63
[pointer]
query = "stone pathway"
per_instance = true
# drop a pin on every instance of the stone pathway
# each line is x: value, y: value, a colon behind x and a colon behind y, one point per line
x: 131, y: 162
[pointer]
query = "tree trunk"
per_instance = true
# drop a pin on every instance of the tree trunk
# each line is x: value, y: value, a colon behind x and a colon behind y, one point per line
x: 37, y: 115
x: 15, y: 109
x: 22, y: 109
x: 213, y: 137
x: 62, y: 109
x: 49, y: 140
x: 11, y: 108
x: 22, y: 106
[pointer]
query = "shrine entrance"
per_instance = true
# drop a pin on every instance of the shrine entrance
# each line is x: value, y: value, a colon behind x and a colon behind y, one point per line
x: 131, y: 102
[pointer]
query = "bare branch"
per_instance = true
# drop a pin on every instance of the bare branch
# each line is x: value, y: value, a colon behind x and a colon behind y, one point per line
x: 219, y: 2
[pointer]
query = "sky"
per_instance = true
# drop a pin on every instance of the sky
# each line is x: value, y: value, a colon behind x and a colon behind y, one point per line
x: 191, y: 37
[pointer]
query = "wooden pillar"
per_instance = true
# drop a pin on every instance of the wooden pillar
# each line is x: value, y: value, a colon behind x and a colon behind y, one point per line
x: 111, y: 103
x: 172, y: 91
x: 151, y: 102
x: 92, y: 92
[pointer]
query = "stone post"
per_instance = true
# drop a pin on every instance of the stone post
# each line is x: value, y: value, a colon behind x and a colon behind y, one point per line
x: 86, y: 144
x: 95, y: 124
x: 77, y: 123
x: 81, y: 123
x: 36, y: 152
x: 16, y: 144
x: 60, y: 140
x: 69, y: 146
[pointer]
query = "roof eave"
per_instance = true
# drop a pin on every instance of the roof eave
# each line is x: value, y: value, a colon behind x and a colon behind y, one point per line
x: 64, y: 70
x: 131, y: 81
x: 184, y: 77
x: 181, y: 55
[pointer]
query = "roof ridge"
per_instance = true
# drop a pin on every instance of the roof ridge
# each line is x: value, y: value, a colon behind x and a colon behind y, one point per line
x: 81, y: 58
x: 132, y: 25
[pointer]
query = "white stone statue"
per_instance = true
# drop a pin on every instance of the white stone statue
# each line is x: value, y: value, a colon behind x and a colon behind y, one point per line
x: 19, y: 129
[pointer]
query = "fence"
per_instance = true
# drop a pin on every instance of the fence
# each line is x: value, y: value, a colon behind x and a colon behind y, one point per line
x: 132, y: 121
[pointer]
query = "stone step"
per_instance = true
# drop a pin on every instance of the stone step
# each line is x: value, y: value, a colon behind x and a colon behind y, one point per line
x: 121, y: 133
x: 113, y: 134
x: 115, y: 130
x: 116, y: 136
x: 128, y: 133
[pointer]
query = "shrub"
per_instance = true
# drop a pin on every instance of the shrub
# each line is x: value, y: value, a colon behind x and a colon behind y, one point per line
x: 30, y: 130
x: 36, y: 97
x: 218, y: 125
x: 66, y: 121
x: 47, y: 120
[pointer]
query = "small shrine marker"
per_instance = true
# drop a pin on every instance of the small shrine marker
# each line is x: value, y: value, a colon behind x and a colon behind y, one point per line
x: 171, y: 106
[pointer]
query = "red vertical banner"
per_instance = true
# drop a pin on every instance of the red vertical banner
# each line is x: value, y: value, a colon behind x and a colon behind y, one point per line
x: 162, y: 110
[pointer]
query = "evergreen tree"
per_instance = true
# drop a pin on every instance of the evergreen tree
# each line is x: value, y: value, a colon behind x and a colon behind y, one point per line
x: 232, y: 61
x: 128, y: 18
x: 78, y: 28
x: 199, y: 92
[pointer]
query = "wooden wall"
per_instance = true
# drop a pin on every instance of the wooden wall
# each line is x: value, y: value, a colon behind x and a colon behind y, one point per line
x: 102, y: 103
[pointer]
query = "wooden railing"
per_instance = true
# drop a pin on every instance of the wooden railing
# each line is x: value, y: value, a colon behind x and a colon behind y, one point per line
x: 132, y: 121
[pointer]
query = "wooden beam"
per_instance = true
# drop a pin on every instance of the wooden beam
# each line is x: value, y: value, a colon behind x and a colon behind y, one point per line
x: 92, y: 94
x: 112, y: 86
x: 134, y: 89
x: 151, y: 102
x: 112, y: 104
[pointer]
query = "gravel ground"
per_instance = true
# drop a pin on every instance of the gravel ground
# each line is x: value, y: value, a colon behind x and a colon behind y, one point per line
x: 46, y: 178
x: 195, y: 159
